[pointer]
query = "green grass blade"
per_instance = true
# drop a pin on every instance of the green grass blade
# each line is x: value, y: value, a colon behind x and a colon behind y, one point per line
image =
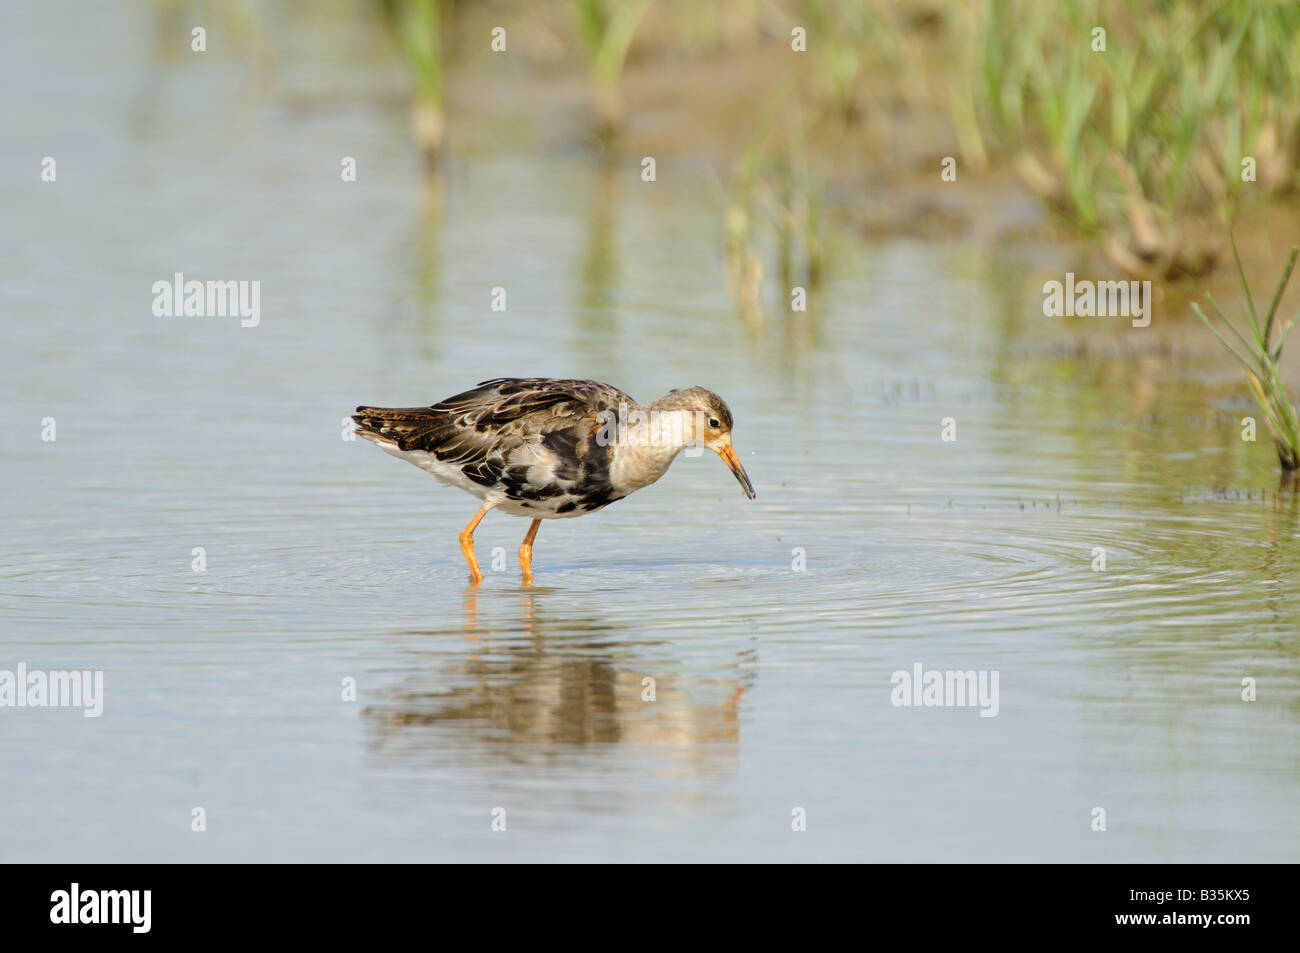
x: 1254, y: 351
x: 1226, y: 343
x: 1277, y: 296
x: 1281, y: 338
x: 1241, y: 273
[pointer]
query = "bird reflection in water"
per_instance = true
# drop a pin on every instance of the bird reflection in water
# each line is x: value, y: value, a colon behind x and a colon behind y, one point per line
x: 533, y: 684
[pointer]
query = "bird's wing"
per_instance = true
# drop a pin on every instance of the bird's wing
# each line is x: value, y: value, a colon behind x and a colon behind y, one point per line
x: 532, y: 435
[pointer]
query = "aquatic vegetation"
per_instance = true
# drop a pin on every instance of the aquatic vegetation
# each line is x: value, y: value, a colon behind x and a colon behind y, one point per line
x: 846, y: 36
x: 419, y: 33
x: 1259, y: 352
x: 1146, y: 126
x: 796, y: 197
x: 1149, y: 125
x: 741, y: 247
x: 777, y: 198
x: 606, y: 28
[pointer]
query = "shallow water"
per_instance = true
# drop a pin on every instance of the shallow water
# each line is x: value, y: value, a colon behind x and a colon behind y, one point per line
x: 1119, y: 688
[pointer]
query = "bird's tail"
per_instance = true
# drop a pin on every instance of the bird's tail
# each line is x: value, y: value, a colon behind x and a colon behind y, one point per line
x: 401, y: 427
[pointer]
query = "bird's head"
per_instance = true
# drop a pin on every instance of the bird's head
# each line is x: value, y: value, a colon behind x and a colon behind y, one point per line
x: 706, y: 422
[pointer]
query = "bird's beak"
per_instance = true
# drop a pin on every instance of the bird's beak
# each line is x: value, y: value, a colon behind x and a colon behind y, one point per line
x: 728, y: 454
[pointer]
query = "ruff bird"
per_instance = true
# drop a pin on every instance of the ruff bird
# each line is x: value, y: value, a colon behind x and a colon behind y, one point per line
x: 550, y: 449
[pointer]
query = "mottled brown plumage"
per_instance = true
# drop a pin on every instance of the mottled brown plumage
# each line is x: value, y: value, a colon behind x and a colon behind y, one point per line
x: 546, y: 448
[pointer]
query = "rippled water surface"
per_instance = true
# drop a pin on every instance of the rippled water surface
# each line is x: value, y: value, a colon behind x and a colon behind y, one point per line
x: 327, y: 560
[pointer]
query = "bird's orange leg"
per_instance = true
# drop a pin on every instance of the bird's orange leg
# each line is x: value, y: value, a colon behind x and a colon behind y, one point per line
x: 467, y: 543
x: 526, y: 552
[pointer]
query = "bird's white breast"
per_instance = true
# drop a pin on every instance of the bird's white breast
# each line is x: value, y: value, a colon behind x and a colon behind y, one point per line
x: 448, y: 473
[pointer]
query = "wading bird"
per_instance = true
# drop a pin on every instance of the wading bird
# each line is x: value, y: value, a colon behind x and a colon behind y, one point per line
x: 550, y: 449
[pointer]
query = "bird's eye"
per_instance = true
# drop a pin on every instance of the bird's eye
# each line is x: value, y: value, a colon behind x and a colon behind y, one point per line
x: 715, y: 423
